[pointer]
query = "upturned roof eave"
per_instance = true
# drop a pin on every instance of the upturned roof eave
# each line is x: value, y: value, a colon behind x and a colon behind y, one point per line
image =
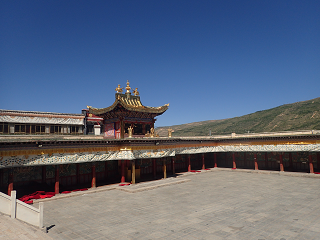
x: 156, y: 110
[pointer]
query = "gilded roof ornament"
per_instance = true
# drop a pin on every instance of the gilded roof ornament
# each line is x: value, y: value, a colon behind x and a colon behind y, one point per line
x: 130, y: 101
x: 119, y: 89
x: 128, y: 88
x: 135, y: 92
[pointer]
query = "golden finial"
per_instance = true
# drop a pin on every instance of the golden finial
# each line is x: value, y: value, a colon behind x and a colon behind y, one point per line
x: 130, y: 130
x: 170, y: 131
x: 152, y: 132
x: 128, y: 87
x: 119, y: 89
x: 135, y: 92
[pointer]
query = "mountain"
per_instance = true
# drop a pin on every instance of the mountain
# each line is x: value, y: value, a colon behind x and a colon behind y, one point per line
x: 303, y: 115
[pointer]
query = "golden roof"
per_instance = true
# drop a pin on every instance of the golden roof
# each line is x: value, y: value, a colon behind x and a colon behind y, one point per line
x: 129, y: 102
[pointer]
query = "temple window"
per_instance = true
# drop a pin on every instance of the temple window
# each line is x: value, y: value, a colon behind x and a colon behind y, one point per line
x: 16, y: 128
x: 4, y: 128
x: 148, y: 127
x: 90, y: 129
x: 137, y: 129
x: 19, y: 128
x: 126, y: 126
x: 74, y: 129
x: 28, y: 129
x: 33, y: 129
x: 55, y: 129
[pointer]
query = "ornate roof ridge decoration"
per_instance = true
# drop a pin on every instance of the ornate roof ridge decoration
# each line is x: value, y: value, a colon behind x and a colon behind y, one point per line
x: 129, y: 102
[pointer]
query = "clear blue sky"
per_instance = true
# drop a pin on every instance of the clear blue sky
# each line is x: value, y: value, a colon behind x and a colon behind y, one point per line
x: 208, y: 59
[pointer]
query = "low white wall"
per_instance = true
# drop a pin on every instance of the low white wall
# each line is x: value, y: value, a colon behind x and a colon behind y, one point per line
x: 20, y: 210
x: 29, y: 214
x: 5, y: 203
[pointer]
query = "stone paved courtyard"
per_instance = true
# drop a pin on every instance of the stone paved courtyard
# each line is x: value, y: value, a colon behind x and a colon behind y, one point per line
x: 212, y: 205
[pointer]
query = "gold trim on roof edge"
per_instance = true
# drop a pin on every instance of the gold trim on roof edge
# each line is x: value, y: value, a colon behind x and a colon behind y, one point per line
x: 132, y: 105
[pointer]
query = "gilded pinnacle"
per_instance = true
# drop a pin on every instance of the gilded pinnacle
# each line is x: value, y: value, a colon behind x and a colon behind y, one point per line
x: 119, y: 89
x: 128, y: 88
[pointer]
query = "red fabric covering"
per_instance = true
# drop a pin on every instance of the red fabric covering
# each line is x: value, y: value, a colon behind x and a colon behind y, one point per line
x: 124, y: 184
x: 66, y: 192
x: 24, y: 198
x: 82, y: 189
x: 39, y: 192
x: 317, y: 173
x: 207, y: 169
x: 36, y: 195
x: 46, y: 196
x: 50, y: 193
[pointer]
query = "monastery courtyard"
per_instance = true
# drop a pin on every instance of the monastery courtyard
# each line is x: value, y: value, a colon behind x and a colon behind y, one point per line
x: 217, y: 204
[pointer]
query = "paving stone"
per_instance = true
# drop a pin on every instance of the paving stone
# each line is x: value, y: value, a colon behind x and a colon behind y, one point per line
x: 218, y: 204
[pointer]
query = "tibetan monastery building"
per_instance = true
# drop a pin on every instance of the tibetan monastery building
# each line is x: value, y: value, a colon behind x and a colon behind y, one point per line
x: 56, y: 152
x: 126, y: 114
x: 42, y: 123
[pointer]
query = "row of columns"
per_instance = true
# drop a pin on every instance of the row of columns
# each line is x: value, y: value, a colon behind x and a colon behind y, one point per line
x: 203, y: 165
x: 154, y: 169
x: 256, y: 167
x: 133, y: 177
x: 57, y: 178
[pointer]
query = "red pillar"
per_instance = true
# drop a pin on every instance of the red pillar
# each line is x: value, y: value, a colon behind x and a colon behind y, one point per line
x: 10, y: 181
x: 154, y: 166
x: 56, y: 185
x: 290, y: 161
x: 123, y: 171
x: 133, y: 171
x: 234, y: 165
x: 266, y: 160
x: 310, y: 164
x: 93, y: 182
x: 281, y: 163
x: 203, y: 163
x: 164, y: 167
x: 173, y: 165
x: 255, y: 162
x: 189, y: 163
x: 215, y: 160
x: 44, y: 173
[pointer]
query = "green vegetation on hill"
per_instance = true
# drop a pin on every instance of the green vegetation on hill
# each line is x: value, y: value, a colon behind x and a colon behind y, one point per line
x: 289, y: 117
